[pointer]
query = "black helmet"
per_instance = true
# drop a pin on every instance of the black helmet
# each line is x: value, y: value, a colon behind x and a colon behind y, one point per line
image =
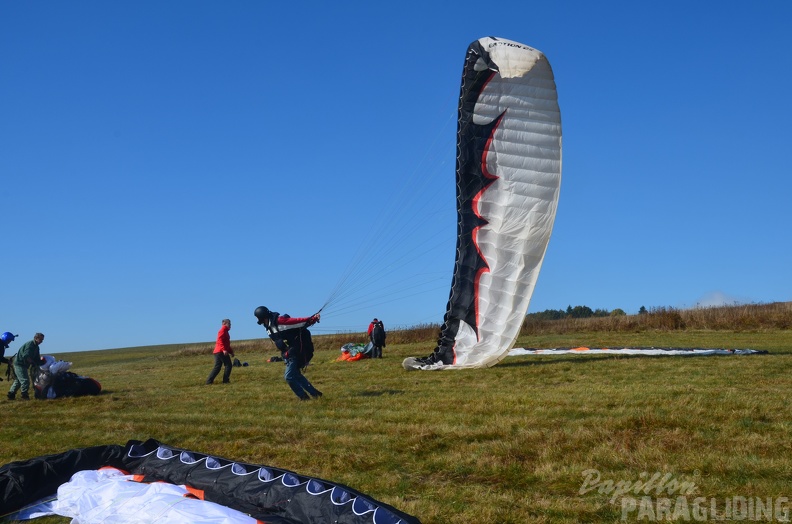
x: 262, y: 314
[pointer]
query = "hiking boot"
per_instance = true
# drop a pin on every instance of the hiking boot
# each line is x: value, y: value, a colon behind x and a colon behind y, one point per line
x: 25, y: 396
x: 317, y: 394
x: 439, y: 356
x: 11, y: 396
x: 427, y: 361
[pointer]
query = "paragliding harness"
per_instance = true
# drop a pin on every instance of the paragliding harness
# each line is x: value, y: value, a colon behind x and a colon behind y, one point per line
x: 297, y: 340
x: 10, y: 375
x: 378, y: 334
x: 4, y: 360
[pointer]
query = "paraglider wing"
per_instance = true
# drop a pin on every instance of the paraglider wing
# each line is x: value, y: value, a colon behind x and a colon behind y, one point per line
x: 508, y: 176
x: 268, y: 494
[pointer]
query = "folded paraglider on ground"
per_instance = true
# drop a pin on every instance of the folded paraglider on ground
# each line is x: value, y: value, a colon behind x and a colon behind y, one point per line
x: 352, y: 352
x: 54, y: 380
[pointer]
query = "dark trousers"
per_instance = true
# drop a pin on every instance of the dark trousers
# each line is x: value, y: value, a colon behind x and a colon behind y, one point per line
x: 297, y: 381
x: 221, y: 360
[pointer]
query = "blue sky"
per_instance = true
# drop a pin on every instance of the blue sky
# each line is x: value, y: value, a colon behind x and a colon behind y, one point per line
x: 165, y: 165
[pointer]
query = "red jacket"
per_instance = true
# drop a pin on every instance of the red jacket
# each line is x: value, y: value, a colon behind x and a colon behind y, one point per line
x: 286, y: 322
x: 223, y: 341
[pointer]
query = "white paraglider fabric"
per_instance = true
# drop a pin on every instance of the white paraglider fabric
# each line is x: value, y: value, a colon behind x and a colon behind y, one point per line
x: 109, y: 495
x: 508, y: 184
x: 520, y: 205
x: 524, y: 158
x: 657, y: 352
x: 50, y: 369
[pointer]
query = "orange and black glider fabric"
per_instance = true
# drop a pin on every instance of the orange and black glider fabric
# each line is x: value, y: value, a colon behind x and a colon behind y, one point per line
x: 269, y: 494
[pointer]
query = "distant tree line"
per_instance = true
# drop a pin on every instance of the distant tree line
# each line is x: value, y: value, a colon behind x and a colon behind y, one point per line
x: 576, y: 312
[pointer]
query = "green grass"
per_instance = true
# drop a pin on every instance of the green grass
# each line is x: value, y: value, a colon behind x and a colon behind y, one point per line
x: 505, y: 445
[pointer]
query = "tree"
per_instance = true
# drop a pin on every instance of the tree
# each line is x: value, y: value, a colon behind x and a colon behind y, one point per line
x: 642, y: 311
x: 547, y: 314
x: 580, y: 312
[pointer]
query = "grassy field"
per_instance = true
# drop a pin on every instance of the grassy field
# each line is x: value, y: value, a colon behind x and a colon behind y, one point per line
x: 534, y: 439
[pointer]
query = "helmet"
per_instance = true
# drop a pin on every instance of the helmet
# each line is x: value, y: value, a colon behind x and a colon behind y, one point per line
x: 262, y: 314
x: 7, y: 337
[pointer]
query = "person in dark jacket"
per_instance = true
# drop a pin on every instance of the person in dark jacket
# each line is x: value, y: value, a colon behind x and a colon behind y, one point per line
x: 377, y: 339
x: 222, y: 353
x: 292, y: 338
x: 27, y: 356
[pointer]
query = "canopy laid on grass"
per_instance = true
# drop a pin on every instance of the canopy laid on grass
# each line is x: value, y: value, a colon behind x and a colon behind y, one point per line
x: 508, y: 176
x: 267, y: 494
x: 352, y: 352
x: 649, y: 351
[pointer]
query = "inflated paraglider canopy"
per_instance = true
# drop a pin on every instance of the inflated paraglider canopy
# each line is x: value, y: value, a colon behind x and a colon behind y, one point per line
x: 508, y: 176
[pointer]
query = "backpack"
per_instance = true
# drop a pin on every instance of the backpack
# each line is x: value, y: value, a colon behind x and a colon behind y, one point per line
x: 378, y: 334
x: 299, y: 341
x: 307, y: 347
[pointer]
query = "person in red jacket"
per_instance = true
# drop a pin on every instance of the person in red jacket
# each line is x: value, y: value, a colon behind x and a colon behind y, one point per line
x: 222, y: 354
x: 371, y: 327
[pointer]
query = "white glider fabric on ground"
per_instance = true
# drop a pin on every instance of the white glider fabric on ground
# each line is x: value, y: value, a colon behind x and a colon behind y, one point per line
x: 267, y: 494
x: 650, y: 351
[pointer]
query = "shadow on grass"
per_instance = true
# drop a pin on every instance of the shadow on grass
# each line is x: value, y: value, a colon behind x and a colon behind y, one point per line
x: 102, y: 393
x: 579, y: 360
x: 379, y: 393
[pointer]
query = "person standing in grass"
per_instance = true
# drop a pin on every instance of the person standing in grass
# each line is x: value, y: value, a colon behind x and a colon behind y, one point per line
x: 222, y: 354
x: 377, y: 336
x: 292, y: 338
x: 28, y: 355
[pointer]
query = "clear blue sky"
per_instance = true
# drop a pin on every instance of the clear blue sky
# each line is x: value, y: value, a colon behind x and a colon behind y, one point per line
x: 165, y: 165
